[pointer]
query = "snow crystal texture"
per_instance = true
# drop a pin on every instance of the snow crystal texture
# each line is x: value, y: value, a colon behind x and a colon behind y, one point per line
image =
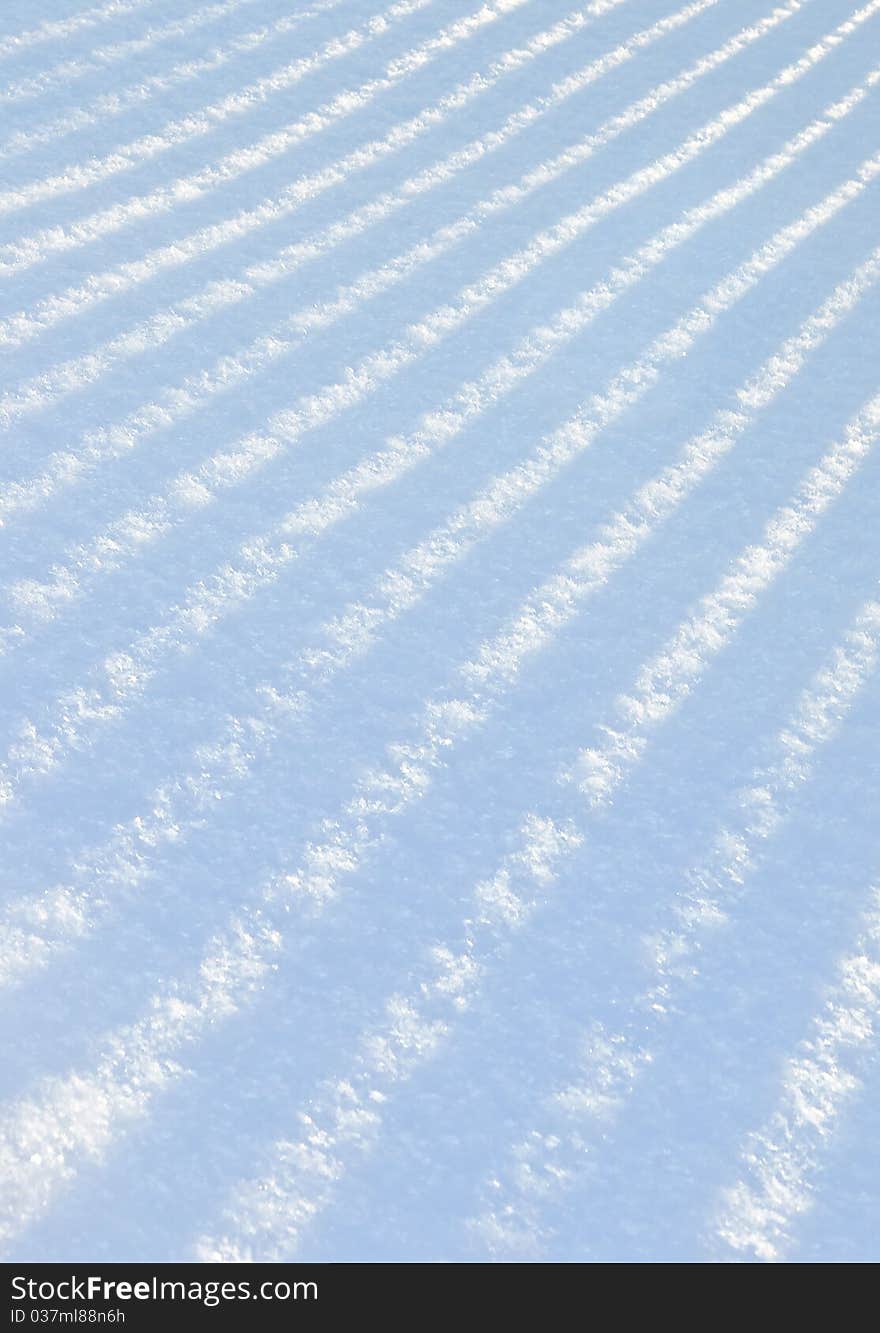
x: 439, y: 630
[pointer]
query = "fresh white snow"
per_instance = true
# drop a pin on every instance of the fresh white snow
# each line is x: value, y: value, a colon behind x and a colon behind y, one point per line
x: 440, y: 630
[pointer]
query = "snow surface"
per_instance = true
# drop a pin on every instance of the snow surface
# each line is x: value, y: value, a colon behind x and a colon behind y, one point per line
x: 440, y: 628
